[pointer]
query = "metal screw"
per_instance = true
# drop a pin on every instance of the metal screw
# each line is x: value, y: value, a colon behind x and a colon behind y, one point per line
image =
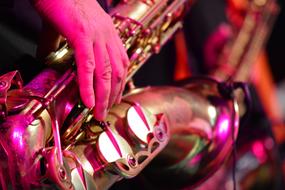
x: 3, y: 84
x: 132, y: 161
x: 62, y: 173
x: 103, y: 124
x: 146, y: 31
x: 159, y: 134
x: 156, y: 48
x: 2, y: 115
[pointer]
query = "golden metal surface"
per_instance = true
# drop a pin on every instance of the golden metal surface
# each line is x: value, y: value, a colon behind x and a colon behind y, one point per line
x: 54, y: 141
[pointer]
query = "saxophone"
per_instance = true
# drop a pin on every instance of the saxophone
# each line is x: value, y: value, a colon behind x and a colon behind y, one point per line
x: 48, y: 139
x: 240, y: 52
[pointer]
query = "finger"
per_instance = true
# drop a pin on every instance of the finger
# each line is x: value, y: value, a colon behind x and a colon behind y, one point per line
x: 103, y: 74
x: 126, y: 63
x: 85, y: 62
x: 122, y: 87
x: 117, y: 73
x: 123, y: 51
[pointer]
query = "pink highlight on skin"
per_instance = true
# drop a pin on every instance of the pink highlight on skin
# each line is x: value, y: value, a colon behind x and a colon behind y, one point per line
x: 100, y: 71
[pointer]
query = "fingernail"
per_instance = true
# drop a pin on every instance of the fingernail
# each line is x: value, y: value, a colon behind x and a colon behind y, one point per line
x: 90, y: 104
x: 100, y: 115
x: 105, y: 112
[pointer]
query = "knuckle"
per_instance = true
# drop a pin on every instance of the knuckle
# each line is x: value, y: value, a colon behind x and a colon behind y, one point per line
x: 107, y: 71
x: 109, y: 28
x: 89, y: 66
x: 81, y: 36
x: 126, y: 63
x: 81, y: 31
x: 125, y: 59
x: 118, y: 75
x: 108, y: 20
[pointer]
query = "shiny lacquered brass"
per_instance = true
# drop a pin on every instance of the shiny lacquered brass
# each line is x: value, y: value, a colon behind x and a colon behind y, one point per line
x: 144, y: 27
x: 247, y: 41
x: 52, y: 141
x: 203, y: 127
x: 189, y: 130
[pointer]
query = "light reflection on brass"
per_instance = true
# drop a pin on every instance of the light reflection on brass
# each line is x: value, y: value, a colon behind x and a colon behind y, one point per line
x: 185, y: 128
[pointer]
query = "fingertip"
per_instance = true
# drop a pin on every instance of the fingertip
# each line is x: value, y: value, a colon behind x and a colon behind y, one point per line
x: 88, y: 101
x: 119, y: 99
x: 123, y: 84
x: 85, y: 71
x: 86, y: 91
x: 99, y: 114
x: 89, y: 104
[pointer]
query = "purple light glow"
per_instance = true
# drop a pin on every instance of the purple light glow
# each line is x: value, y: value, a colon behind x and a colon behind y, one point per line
x: 195, y: 160
x: 224, y: 126
x: 18, y: 138
x: 68, y: 108
x: 259, y: 151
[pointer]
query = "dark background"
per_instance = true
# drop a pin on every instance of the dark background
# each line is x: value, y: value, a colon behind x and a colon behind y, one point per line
x: 20, y: 26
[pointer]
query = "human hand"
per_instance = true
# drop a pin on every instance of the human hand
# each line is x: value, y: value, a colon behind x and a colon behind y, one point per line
x: 101, y: 59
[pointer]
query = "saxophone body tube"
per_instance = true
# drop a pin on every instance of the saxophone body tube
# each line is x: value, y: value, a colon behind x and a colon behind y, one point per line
x: 186, y: 130
x: 48, y: 139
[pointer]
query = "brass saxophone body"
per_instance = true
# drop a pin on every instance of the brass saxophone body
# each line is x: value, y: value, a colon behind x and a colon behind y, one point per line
x: 239, y: 54
x: 48, y: 139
